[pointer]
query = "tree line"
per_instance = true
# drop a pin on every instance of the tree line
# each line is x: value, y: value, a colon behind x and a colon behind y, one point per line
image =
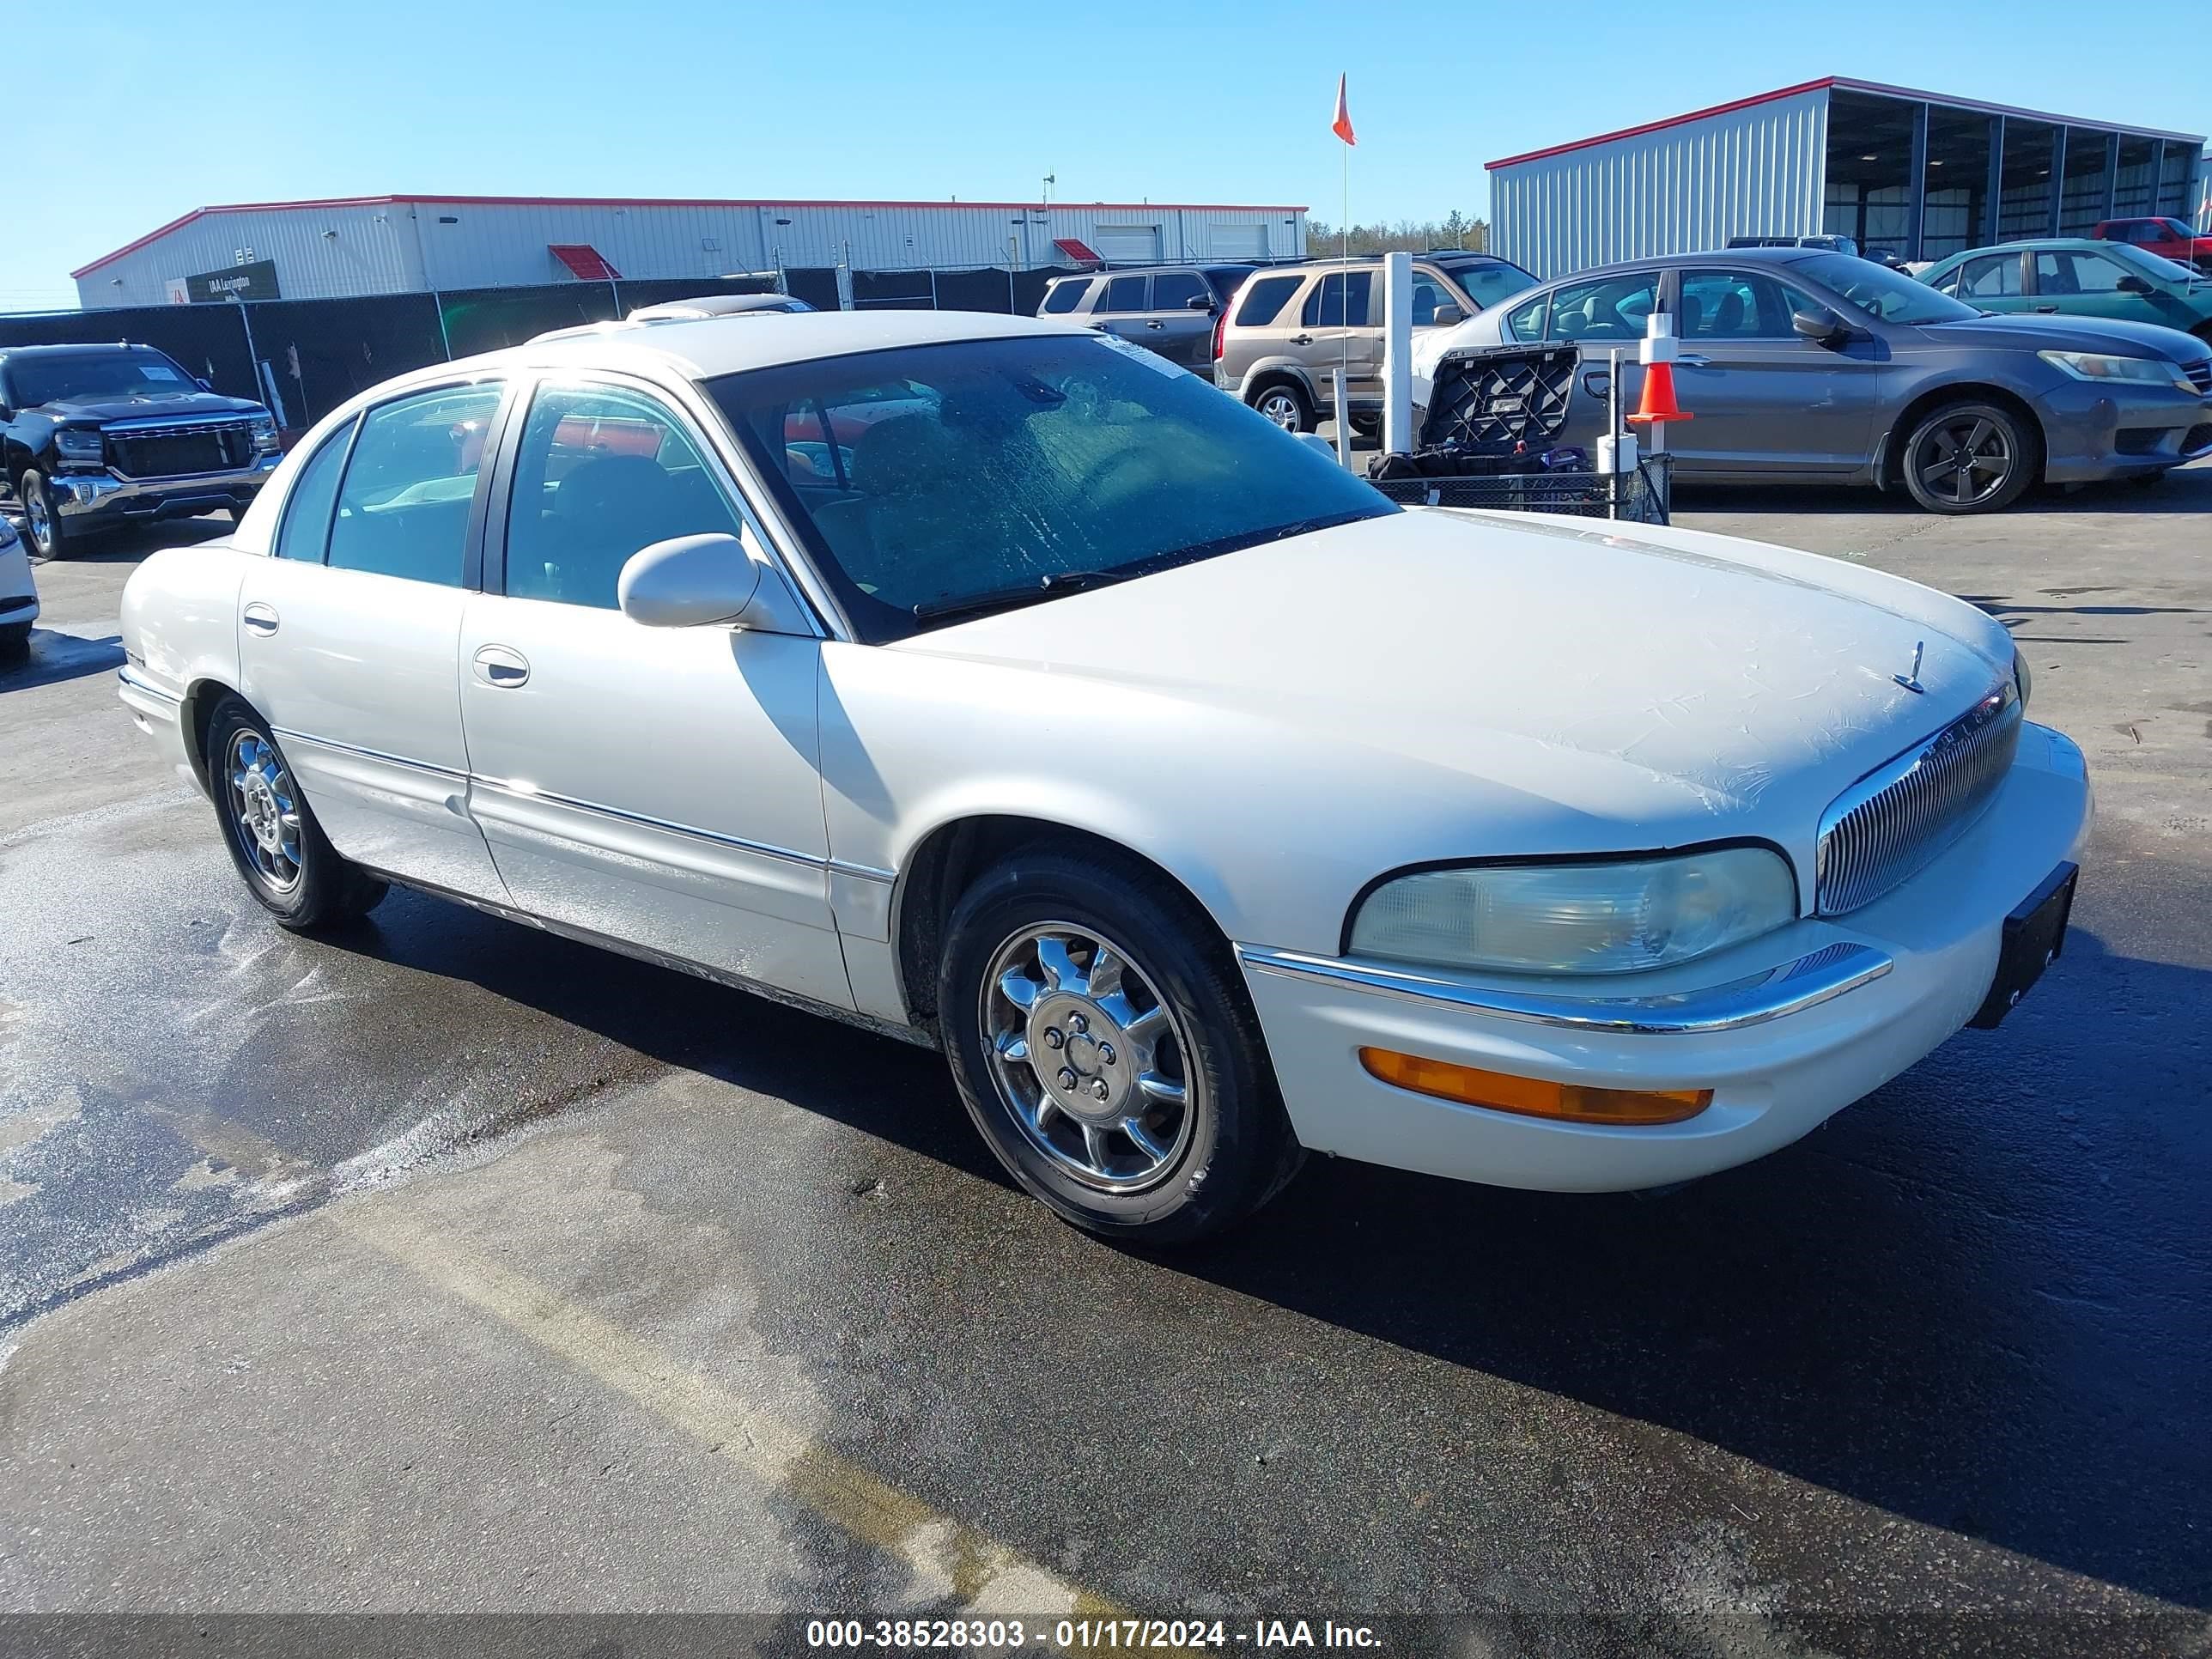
x: 1456, y: 229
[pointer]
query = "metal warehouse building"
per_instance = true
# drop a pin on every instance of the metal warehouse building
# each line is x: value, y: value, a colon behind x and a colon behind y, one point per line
x: 1917, y: 172
x: 377, y: 245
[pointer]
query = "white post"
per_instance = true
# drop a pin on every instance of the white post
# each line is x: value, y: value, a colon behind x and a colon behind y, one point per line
x: 1343, y: 416
x: 1398, y: 353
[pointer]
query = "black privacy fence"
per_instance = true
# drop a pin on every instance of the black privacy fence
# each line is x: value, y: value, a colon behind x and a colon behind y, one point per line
x: 305, y: 357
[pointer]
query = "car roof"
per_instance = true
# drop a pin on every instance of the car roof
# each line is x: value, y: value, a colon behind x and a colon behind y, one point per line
x: 1760, y: 256
x: 77, y: 349
x: 726, y: 345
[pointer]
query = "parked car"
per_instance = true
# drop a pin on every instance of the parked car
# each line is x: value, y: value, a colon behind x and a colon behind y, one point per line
x: 1292, y: 325
x: 1800, y: 365
x: 1169, y: 309
x: 977, y: 741
x: 19, y: 597
x: 96, y: 435
x: 1826, y: 244
x: 720, y: 305
x: 2169, y: 239
x: 2079, y: 278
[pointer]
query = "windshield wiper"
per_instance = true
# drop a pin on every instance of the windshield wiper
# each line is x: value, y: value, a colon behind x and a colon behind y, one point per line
x: 1004, y: 598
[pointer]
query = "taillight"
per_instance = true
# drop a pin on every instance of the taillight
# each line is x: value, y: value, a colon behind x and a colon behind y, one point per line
x: 1220, y: 327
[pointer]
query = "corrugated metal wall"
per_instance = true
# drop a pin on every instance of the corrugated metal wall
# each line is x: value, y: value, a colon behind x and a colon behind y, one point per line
x: 1754, y: 171
x: 320, y: 252
x: 400, y: 247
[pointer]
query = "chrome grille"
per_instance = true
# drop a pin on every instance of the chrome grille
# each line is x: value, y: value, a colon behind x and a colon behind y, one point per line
x: 1896, y: 820
x: 169, y: 449
x: 2200, y: 374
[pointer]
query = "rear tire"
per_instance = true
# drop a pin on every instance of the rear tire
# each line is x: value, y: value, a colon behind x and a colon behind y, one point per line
x: 1285, y: 404
x: 1969, y: 457
x: 1171, y: 1129
x: 46, y: 532
x: 281, y: 852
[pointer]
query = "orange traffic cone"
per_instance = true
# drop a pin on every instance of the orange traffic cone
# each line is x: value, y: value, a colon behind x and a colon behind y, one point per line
x: 1658, y: 404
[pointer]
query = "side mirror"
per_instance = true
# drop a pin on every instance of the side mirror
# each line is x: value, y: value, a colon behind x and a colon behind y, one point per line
x: 1199, y: 302
x: 696, y: 582
x: 1824, y: 327
x: 1314, y: 440
x: 1446, y: 315
x: 2133, y: 284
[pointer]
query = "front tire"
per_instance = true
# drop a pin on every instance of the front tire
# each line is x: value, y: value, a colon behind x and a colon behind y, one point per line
x: 1971, y: 456
x: 14, y: 644
x: 1107, y: 1052
x: 1286, y: 404
x: 46, y: 532
x: 281, y: 852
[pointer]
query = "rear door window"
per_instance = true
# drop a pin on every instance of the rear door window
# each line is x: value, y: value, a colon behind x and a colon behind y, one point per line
x: 1264, y: 300
x: 1125, y: 294
x: 1610, y: 308
x: 404, y: 508
x: 1997, y: 278
x: 1340, y: 300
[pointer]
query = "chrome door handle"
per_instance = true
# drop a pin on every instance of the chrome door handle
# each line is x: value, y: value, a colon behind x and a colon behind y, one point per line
x: 258, y: 617
x: 1692, y: 360
x: 496, y: 665
x: 1155, y: 323
x: 2047, y: 311
x: 1301, y: 339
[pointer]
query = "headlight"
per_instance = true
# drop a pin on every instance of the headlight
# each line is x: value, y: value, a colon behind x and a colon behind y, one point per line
x: 77, y: 443
x: 1611, y: 917
x: 264, y: 435
x: 2021, y: 680
x: 2135, y: 371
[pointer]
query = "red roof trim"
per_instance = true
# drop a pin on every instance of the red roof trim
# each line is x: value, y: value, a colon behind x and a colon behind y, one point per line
x: 1661, y: 126
x: 180, y: 222
x: 1076, y: 248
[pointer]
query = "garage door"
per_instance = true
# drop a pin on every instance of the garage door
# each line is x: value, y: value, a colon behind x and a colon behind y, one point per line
x: 1127, y: 244
x: 1238, y: 241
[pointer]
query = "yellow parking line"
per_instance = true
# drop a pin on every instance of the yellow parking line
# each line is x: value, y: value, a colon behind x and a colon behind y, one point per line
x: 947, y: 1557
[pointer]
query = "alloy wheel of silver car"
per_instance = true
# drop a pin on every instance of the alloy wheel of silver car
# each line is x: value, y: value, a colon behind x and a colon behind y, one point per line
x: 1089, y: 1059
x: 1280, y: 404
x: 265, y: 809
x: 39, y: 518
x: 1965, y: 460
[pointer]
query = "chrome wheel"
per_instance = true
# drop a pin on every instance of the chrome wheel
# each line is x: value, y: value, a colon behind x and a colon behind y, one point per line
x: 39, y: 518
x: 1280, y: 404
x: 1964, y: 460
x: 1091, y: 1061
x: 265, y: 809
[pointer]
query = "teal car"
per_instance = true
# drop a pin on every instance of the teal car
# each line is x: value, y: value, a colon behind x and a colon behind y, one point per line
x: 2073, y: 277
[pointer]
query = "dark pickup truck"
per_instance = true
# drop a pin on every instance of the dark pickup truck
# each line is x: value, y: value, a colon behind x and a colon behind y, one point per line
x: 96, y: 435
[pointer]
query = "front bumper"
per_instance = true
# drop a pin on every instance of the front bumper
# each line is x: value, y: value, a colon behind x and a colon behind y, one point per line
x: 2096, y: 432
x: 89, y: 497
x: 18, y: 610
x: 1786, y: 1031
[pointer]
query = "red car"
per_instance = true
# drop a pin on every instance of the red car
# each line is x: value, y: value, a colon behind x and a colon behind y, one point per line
x: 2170, y: 239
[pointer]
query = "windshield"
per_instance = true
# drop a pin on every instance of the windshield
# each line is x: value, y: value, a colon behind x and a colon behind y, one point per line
x: 932, y: 474
x: 1486, y: 284
x: 1889, y: 295
x: 73, y: 377
x: 2151, y: 264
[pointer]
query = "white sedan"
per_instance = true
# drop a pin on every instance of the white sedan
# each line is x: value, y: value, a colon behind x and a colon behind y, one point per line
x: 995, y: 685
x: 19, y: 597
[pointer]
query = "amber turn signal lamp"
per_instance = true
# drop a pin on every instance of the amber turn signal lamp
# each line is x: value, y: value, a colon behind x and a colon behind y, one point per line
x: 1569, y: 1102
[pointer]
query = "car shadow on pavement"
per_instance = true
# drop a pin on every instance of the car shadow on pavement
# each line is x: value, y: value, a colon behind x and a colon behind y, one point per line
x: 2183, y: 489
x: 56, y: 657
x: 1981, y: 1298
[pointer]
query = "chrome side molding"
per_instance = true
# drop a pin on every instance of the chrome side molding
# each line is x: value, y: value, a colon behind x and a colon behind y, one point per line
x: 1787, y: 988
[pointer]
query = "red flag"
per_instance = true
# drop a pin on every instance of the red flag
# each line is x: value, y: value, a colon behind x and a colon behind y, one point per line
x: 1342, y: 125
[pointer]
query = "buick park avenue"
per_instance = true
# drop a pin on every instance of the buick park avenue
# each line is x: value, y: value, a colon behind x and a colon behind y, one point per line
x: 998, y: 686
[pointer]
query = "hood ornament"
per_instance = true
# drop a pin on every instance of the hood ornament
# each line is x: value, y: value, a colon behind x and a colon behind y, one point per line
x: 1910, y: 681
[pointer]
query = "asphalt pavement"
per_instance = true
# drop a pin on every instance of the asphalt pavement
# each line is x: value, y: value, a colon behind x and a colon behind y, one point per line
x: 442, y: 1265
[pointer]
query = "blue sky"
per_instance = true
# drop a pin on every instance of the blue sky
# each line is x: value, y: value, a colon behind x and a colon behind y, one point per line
x: 138, y: 111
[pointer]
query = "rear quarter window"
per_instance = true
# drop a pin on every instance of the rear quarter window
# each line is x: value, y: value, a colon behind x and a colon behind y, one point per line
x: 1264, y: 300
x: 1064, y: 296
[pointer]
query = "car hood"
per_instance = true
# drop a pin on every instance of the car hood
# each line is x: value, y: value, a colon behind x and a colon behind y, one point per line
x: 1667, y: 686
x: 124, y: 409
x: 2067, y: 334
